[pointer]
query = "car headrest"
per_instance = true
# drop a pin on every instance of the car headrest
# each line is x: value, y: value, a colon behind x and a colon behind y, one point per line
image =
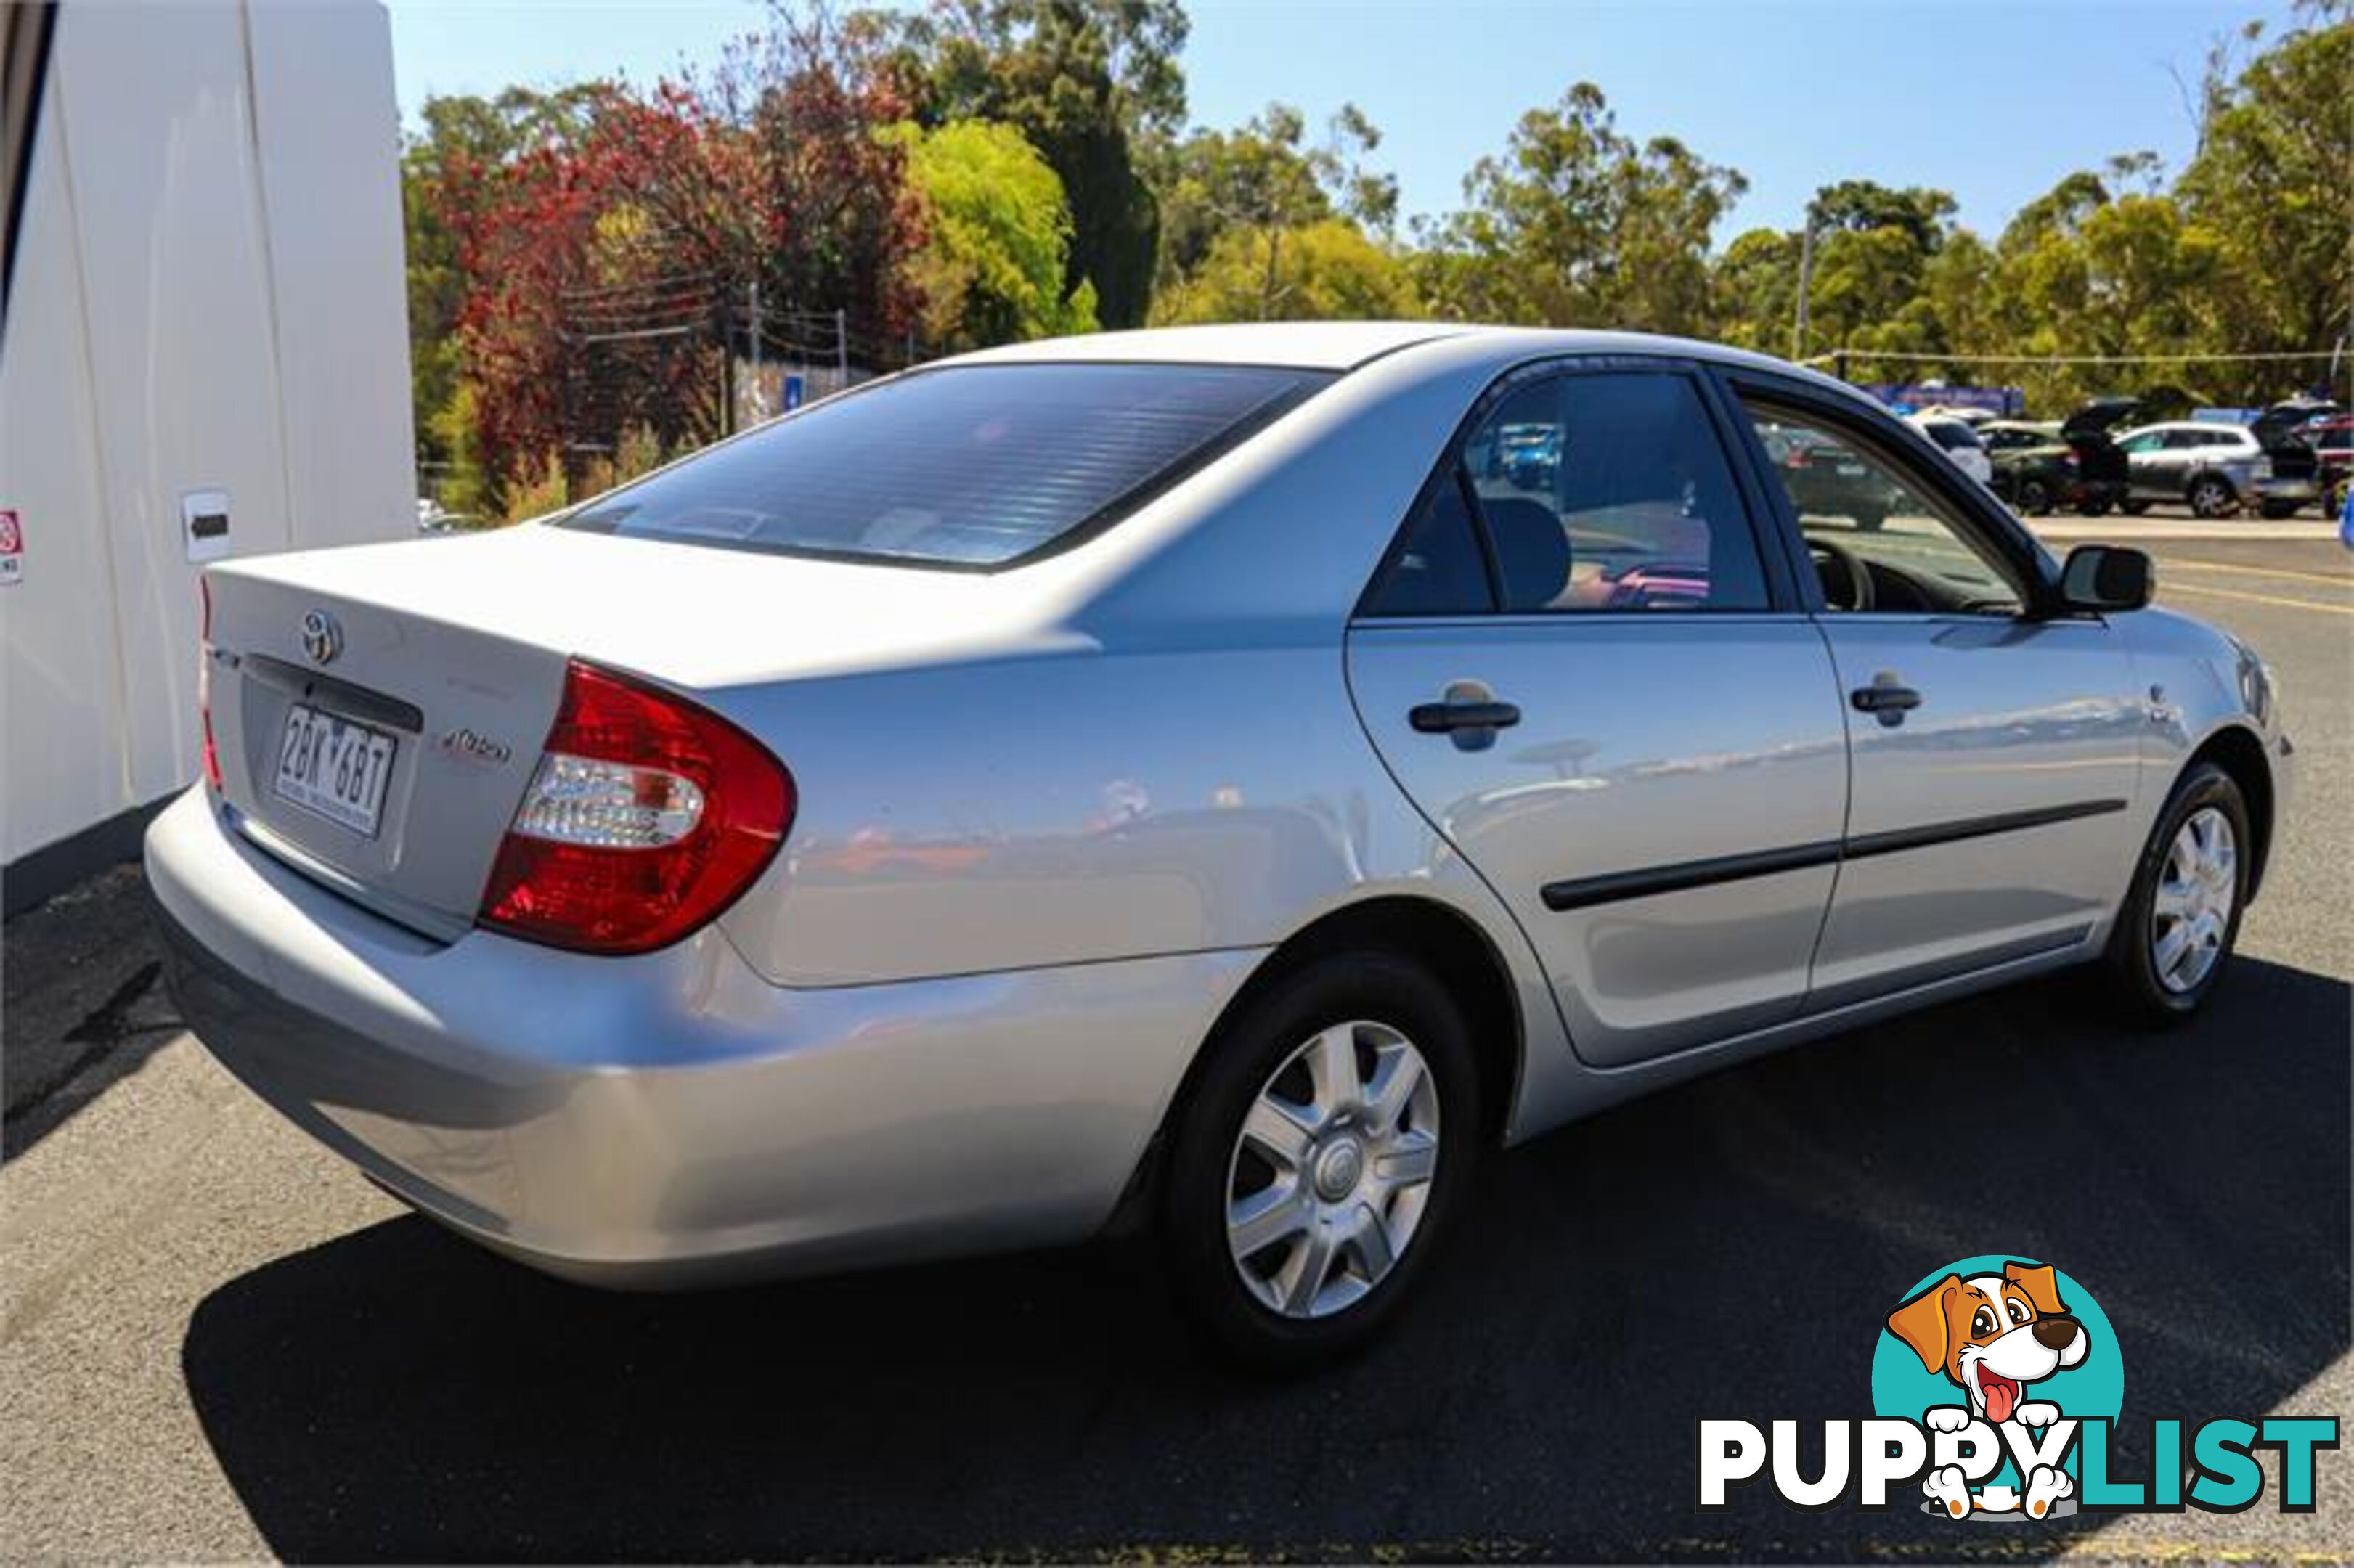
x: 1532, y: 550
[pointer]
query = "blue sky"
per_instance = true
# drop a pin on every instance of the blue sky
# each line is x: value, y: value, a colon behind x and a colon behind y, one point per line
x: 1992, y: 99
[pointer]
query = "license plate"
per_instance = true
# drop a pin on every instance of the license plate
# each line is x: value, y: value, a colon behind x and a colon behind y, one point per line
x: 333, y: 767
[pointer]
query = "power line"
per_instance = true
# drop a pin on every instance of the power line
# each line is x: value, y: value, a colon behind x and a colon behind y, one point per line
x: 2066, y: 358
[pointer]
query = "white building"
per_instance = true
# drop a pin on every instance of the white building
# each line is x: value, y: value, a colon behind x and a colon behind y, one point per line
x: 204, y: 352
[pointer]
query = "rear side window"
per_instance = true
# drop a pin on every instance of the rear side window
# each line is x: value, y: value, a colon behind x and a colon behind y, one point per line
x: 967, y: 466
x: 1952, y: 434
x: 1601, y: 490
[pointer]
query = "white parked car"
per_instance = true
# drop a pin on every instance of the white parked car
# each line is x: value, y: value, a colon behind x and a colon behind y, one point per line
x: 1958, y: 439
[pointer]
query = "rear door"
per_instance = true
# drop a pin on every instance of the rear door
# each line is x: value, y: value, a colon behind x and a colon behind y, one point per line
x: 1596, y: 683
x: 1994, y: 748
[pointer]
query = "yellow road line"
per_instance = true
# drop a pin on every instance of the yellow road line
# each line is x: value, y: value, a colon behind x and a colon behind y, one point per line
x: 2258, y: 599
x: 2340, y: 581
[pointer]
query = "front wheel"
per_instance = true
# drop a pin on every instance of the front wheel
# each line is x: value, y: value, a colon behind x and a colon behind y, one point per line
x: 2181, y: 915
x: 2035, y: 498
x: 1319, y: 1159
x: 2275, y: 511
x: 2212, y: 498
x: 2132, y: 508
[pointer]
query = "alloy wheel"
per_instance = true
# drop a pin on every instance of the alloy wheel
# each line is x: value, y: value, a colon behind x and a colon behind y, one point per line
x: 1331, y: 1171
x: 2191, y: 913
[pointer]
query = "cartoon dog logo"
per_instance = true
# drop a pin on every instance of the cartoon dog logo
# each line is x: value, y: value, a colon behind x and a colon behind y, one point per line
x: 1992, y: 1336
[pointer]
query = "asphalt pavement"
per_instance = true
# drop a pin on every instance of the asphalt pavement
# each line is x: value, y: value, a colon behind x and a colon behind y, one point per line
x: 218, y: 1341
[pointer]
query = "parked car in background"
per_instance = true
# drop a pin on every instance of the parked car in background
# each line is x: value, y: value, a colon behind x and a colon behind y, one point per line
x: 2216, y: 468
x: 1958, y: 439
x: 1829, y: 480
x: 2285, y: 432
x: 1157, y: 778
x: 2333, y: 450
x: 2038, y: 467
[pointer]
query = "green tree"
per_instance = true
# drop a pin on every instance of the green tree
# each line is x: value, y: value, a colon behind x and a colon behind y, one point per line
x: 1266, y: 176
x: 2273, y: 182
x: 1090, y: 83
x: 1000, y: 236
x: 1576, y: 224
x: 1330, y: 270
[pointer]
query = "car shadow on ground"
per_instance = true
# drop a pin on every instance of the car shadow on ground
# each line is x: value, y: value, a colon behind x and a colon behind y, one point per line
x: 1729, y: 1249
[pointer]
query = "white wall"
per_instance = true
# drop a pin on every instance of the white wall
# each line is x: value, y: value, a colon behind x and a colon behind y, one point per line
x: 209, y: 296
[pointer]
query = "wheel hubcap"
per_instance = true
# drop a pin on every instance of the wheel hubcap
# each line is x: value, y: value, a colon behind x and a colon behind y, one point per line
x: 2192, y: 912
x: 1331, y: 1170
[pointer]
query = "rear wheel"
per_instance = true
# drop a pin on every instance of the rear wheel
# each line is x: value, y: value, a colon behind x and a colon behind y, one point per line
x: 2211, y: 497
x: 2035, y: 498
x: 1869, y: 518
x: 2132, y: 508
x: 1320, y: 1158
x: 2276, y: 510
x: 2093, y: 508
x: 2181, y: 916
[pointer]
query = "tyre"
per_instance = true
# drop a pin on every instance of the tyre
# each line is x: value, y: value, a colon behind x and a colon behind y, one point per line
x: 2275, y: 510
x: 2035, y: 498
x: 2094, y: 508
x: 1869, y: 518
x: 2211, y: 497
x: 2132, y: 508
x: 2174, y: 935
x: 1319, y: 1160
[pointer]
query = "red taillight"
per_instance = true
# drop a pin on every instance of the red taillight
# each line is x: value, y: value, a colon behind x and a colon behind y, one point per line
x: 205, y: 681
x: 648, y: 815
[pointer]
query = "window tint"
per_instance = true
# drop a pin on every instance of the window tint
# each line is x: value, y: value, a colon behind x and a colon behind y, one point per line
x: 974, y: 465
x: 1438, y: 569
x: 1879, y: 538
x: 1610, y: 492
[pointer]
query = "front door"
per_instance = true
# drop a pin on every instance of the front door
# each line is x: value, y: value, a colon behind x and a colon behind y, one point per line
x: 1601, y: 692
x: 1993, y: 751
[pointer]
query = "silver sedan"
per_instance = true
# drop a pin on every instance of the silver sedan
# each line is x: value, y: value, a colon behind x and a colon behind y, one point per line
x: 1214, y: 782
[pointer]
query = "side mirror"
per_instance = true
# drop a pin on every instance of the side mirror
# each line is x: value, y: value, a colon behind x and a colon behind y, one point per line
x: 2107, y: 577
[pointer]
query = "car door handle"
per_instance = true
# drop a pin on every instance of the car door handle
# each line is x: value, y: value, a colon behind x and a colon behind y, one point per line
x: 1885, y: 698
x: 1442, y: 718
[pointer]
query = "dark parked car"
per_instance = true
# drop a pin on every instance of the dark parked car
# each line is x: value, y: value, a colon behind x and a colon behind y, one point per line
x: 1825, y: 479
x: 2287, y: 433
x: 2038, y: 467
x: 2333, y: 448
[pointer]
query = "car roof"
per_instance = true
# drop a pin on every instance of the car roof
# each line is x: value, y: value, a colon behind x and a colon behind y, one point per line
x: 1345, y: 345
x: 1304, y: 345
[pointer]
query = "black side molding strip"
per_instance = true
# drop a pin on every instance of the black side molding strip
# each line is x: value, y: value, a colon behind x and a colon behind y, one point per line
x: 1899, y: 840
x: 1618, y: 885
x: 1586, y: 891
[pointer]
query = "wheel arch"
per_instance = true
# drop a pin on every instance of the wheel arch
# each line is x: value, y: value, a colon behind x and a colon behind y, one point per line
x: 1460, y: 956
x: 2237, y: 750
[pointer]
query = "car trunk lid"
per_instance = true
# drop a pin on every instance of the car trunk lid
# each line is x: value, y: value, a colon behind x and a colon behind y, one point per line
x: 379, y: 711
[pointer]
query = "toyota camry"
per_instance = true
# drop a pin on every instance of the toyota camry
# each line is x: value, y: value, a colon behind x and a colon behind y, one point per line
x: 1215, y: 783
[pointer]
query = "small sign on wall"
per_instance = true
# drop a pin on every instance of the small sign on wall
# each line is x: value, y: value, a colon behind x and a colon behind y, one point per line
x: 203, y: 523
x: 12, y: 549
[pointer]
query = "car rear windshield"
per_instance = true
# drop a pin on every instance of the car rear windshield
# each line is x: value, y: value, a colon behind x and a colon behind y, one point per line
x: 964, y: 466
x: 1952, y: 434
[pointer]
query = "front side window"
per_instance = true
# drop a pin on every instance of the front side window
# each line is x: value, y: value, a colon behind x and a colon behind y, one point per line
x: 971, y: 465
x: 1607, y: 492
x: 1879, y: 538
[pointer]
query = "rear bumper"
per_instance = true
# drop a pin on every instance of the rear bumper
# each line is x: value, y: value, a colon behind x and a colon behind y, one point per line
x: 672, y: 1119
x: 2301, y: 489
